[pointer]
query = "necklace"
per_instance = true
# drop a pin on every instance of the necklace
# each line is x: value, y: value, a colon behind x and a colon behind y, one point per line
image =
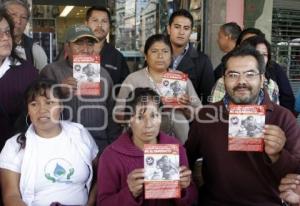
x: 154, y: 84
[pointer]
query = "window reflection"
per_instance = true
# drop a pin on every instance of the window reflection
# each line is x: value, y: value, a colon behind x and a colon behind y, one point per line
x: 136, y: 20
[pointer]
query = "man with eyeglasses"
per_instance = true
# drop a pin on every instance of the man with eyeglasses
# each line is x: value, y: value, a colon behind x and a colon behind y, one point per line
x: 99, y: 20
x: 25, y: 47
x: 235, y: 177
x: 94, y: 112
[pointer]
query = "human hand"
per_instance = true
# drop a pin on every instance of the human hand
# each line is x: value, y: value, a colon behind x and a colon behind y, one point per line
x: 274, y: 139
x: 135, y: 181
x: 290, y: 188
x: 184, y: 99
x: 71, y: 85
x: 185, y: 177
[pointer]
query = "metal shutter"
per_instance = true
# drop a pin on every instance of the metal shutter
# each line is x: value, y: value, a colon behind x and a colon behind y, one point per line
x: 286, y: 36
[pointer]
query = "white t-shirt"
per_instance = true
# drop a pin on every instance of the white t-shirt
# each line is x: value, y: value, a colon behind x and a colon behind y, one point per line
x: 61, y: 172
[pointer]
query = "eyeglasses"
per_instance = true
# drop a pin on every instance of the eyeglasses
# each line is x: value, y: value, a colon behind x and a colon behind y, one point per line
x: 249, y: 75
x: 5, y: 33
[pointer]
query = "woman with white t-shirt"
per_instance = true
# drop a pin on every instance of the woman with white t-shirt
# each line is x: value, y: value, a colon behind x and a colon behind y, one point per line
x: 53, y: 160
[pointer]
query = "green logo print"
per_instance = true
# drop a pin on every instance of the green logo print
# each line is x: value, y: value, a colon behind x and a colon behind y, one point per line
x: 61, y: 172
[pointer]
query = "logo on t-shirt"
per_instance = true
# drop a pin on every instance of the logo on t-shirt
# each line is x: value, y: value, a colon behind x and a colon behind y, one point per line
x: 59, y: 171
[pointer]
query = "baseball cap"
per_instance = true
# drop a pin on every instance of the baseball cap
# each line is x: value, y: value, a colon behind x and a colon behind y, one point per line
x: 78, y: 31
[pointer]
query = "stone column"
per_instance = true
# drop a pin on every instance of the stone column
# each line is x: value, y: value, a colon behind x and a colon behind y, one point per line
x: 216, y: 15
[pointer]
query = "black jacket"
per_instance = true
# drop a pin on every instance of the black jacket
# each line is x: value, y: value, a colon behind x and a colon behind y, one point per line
x: 114, y: 62
x: 199, y: 68
x: 218, y: 72
x: 27, y: 44
x: 286, y: 95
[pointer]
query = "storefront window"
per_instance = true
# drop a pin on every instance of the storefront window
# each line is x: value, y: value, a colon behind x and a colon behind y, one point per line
x: 133, y: 21
x: 136, y: 20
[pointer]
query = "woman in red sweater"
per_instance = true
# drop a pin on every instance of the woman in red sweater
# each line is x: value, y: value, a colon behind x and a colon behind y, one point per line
x: 121, y: 174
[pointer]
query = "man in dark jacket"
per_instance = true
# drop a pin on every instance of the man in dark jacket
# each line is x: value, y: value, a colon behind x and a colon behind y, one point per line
x: 186, y: 58
x: 276, y: 72
x: 243, y: 177
x: 99, y: 19
x: 227, y: 37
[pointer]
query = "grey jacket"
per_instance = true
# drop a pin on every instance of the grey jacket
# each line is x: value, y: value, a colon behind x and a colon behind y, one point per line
x: 94, y: 112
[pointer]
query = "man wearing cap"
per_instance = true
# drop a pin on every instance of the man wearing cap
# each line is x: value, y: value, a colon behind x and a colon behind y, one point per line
x: 94, y: 112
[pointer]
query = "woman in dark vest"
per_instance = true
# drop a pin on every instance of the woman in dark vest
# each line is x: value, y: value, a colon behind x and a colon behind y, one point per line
x: 15, y: 75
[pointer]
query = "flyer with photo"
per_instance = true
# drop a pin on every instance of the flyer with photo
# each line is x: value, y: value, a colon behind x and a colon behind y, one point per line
x: 161, y: 164
x: 174, y: 84
x: 86, y: 70
x: 245, y: 128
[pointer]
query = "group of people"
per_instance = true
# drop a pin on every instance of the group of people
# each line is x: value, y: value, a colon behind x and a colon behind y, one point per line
x: 276, y: 81
x: 59, y: 148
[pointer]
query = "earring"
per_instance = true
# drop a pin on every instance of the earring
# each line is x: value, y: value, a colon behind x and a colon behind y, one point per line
x: 26, y: 120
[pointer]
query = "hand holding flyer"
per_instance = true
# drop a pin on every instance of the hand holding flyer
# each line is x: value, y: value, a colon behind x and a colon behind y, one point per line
x: 70, y: 85
x: 185, y: 177
x: 135, y: 181
x: 274, y: 141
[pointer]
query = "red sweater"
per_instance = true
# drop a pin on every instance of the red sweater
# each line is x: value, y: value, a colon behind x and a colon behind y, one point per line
x: 118, y: 160
x: 241, y: 178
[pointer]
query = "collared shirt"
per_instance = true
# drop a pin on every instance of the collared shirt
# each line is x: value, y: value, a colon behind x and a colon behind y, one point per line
x: 6, y: 66
x: 178, y: 59
x: 218, y: 91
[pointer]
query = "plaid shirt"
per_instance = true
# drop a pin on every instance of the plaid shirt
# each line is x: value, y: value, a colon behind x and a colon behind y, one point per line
x: 218, y: 91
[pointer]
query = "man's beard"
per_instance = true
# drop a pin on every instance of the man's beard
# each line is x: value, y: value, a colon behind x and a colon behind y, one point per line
x: 249, y: 99
x: 100, y: 32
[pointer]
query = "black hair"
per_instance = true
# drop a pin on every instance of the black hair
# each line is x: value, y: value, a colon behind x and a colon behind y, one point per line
x: 246, y: 51
x: 13, y: 55
x: 156, y: 38
x: 249, y: 30
x: 97, y: 8
x: 232, y: 29
x: 254, y: 41
x: 140, y: 96
x: 184, y: 13
x: 39, y: 87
